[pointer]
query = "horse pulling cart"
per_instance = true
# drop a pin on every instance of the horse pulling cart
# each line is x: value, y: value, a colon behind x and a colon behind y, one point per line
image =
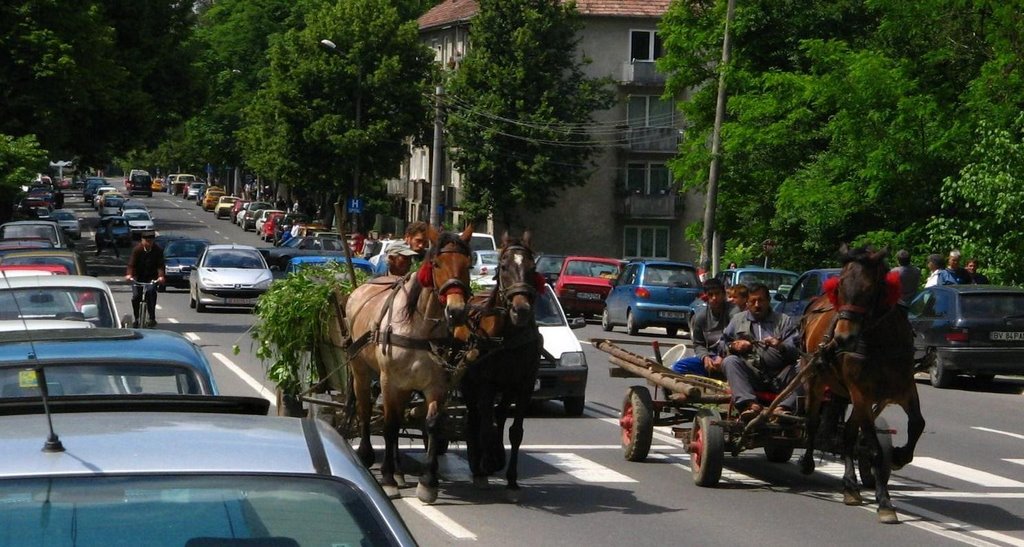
x: 702, y: 417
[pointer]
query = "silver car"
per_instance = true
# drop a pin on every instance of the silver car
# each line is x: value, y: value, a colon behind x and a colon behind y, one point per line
x: 228, y: 275
x: 174, y: 477
x: 68, y: 222
x: 139, y: 220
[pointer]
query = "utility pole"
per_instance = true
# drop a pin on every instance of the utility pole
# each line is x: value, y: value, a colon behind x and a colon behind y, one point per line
x: 711, y: 200
x: 437, y: 169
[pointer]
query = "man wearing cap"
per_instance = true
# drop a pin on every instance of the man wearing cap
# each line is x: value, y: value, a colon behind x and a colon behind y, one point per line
x: 145, y: 266
x: 399, y: 258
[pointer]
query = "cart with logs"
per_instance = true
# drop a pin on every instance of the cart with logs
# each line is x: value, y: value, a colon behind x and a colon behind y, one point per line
x: 701, y: 415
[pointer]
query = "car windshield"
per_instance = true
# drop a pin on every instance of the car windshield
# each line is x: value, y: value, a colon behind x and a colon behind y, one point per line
x: 62, y: 215
x: 74, y: 303
x: 184, y: 249
x: 546, y: 311
x: 550, y: 264
x: 991, y: 305
x: 670, y: 276
x: 65, y: 261
x: 188, y: 510
x: 103, y: 379
x: 770, y: 279
x: 113, y: 202
x: 488, y: 258
x: 234, y: 258
x: 587, y: 268
x: 39, y: 231
x: 136, y: 215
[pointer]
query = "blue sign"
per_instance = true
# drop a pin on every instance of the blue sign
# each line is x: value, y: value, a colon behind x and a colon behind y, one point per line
x: 354, y: 205
x: 209, y: 169
x: 440, y: 209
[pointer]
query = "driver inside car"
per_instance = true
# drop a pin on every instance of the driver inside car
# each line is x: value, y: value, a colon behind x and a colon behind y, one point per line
x: 762, y: 351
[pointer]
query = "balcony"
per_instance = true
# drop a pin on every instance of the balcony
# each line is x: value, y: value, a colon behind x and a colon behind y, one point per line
x: 653, y: 206
x: 653, y: 139
x: 641, y: 73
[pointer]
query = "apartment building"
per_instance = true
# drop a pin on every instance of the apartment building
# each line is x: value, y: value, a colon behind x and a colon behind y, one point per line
x: 630, y: 206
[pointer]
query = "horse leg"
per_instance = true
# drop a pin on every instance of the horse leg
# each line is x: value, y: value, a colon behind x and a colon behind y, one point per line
x: 473, y: 433
x: 426, y: 490
x: 364, y: 410
x: 393, y: 407
x: 851, y: 488
x: 515, y: 437
x: 492, y: 455
x: 814, y: 401
x: 881, y: 467
x: 902, y: 455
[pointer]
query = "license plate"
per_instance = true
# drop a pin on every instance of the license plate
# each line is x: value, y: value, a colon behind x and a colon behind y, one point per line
x: 239, y: 301
x: 672, y: 314
x: 1006, y: 336
x: 588, y: 296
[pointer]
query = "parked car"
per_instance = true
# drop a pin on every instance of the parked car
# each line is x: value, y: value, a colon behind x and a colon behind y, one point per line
x: 36, y: 229
x: 269, y: 225
x: 70, y: 261
x: 285, y: 224
x: 235, y: 209
x: 278, y: 257
x: 173, y: 471
x: 261, y: 218
x: 300, y: 262
x: 223, y: 206
x: 482, y: 242
x: 550, y: 266
x: 194, y: 189
x: 775, y: 280
x: 180, y: 256
x: 21, y: 270
x: 104, y: 362
x: 652, y: 293
x: 563, y: 365
x: 808, y: 285
x: 228, y: 275
x: 485, y: 266
x: 140, y: 184
x: 8, y: 246
x: 68, y: 222
x: 247, y: 218
x: 968, y: 329
x: 212, y: 197
x: 75, y: 297
x: 584, y: 282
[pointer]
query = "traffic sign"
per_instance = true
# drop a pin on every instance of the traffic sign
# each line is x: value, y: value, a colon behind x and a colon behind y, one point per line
x: 354, y: 205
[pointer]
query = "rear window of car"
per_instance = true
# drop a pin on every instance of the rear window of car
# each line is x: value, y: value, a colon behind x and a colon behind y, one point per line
x: 991, y: 306
x: 550, y: 264
x: 670, y: 276
x: 587, y: 268
x: 29, y: 231
x: 770, y: 279
x: 142, y: 179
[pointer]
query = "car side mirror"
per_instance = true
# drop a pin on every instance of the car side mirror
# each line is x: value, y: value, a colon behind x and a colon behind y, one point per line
x: 577, y: 323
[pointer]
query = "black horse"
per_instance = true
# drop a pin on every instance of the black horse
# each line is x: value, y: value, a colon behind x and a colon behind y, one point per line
x: 510, y: 345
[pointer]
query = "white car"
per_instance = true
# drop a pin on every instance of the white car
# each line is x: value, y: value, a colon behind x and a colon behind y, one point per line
x: 60, y: 297
x: 563, y: 365
x: 229, y: 276
x: 485, y: 265
x: 261, y: 218
x: 99, y: 195
x: 139, y: 220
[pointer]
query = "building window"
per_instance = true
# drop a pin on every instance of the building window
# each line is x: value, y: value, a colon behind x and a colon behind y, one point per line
x: 648, y: 111
x: 645, y: 242
x: 644, y: 45
x: 647, y: 178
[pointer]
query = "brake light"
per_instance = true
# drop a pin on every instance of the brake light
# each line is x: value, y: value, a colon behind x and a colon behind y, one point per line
x: 642, y: 292
x: 957, y: 336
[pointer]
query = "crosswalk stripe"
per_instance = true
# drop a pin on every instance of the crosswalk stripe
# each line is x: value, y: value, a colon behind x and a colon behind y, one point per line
x: 1018, y: 461
x: 838, y: 469
x: 581, y: 468
x: 440, y: 520
x: 1007, y: 433
x: 981, y: 478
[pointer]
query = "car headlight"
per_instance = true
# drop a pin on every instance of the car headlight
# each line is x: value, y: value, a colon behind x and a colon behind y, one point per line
x: 573, y: 359
x: 265, y: 284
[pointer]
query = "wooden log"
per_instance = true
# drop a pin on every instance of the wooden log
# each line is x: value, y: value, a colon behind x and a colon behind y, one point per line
x: 619, y: 372
x: 637, y: 360
x: 683, y: 390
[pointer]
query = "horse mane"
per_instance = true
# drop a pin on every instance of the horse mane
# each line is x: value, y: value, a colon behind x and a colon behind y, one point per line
x: 870, y: 259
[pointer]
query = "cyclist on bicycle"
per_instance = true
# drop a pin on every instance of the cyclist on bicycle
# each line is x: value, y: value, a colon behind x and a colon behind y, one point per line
x: 146, y: 265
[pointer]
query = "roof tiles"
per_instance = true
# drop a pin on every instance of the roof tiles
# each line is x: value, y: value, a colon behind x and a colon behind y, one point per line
x: 450, y: 11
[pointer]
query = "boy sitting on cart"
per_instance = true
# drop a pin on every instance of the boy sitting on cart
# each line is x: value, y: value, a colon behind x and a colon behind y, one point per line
x: 706, y: 328
x: 762, y: 353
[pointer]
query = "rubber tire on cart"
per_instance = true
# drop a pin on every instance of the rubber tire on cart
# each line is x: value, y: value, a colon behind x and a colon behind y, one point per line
x: 708, y: 455
x: 672, y: 331
x: 778, y: 453
x: 631, y: 327
x: 939, y: 376
x: 637, y: 423
x: 573, y: 406
x: 867, y: 476
x: 606, y: 322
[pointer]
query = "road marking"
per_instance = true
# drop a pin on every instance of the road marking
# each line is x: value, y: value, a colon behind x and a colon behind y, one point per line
x: 981, y: 478
x: 228, y: 238
x: 837, y: 469
x: 581, y: 468
x: 253, y: 382
x: 192, y: 336
x: 1018, y: 461
x: 962, y: 495
x: 437, y: 518
x: 1007, y: 433
x: 172, y: 320
x: 216, y: 232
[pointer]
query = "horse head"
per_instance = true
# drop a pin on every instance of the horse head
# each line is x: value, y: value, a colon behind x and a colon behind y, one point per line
x: 446, y: 272
x: 517, y: 278
x: 863, y: 291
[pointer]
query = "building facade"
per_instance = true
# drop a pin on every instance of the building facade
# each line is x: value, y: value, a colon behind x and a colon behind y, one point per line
x: 630, y: 206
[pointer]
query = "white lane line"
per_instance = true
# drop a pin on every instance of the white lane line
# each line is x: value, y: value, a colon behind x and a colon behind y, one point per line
x: 228, y: 238
x: 253, y: 382
x: 437, y: 518
x: 1018, y: 461
x: 451, y: 467
x: 1007, y: 433
x: 961, y: 495
x: 216, y: 232
x: 582, y: 468
x: 975, y: 476
x: 172, y: 320
x: 192, y: 336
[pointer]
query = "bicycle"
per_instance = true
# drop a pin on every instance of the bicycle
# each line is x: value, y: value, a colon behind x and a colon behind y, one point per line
x: 144, y: 319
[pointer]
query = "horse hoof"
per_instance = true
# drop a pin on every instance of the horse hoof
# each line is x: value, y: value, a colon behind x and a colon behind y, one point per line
x: 400, y: 480
x: 852, y: 498
x: 807, y: 466
x: 426, y: 494
x: 392, y: 492
x: 513, y: 495
x: 888, y: 516
x: 480, y: 481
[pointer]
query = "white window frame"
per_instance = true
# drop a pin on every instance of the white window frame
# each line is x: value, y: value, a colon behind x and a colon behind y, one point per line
x: 641, y: 229
x: 650, y: 48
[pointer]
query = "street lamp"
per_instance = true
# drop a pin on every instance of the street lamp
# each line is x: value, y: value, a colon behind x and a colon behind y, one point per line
x: 331, y: 47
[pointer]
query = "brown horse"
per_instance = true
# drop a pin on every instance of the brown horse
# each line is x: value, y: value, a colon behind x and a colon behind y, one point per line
x: 859, y: 346
x: 407, y: 323
x: 510, y: 345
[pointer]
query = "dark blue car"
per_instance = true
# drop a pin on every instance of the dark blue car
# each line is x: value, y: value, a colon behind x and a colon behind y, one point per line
x: 652, y: 293
x: 809, y: 285
x: 180, y: 257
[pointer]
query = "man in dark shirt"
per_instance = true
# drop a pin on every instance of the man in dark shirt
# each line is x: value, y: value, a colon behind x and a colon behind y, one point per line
x: 146, y: 265
x: 706, y: 328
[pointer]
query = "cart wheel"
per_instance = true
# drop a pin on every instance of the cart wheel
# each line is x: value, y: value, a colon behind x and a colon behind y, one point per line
x: 573, y: 406
x: 867, y: 476
x: 778, y: 454
x: 637, y: 423
x: 707, y: 451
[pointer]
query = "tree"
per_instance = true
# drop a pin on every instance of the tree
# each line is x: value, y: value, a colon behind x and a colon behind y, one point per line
x: 518, y: 107
x: 20, y: 159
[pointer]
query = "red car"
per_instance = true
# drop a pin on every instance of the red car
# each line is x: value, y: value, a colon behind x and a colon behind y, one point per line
x: 268, y: 226
x: 235, y: 209
x: 585, y: 282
